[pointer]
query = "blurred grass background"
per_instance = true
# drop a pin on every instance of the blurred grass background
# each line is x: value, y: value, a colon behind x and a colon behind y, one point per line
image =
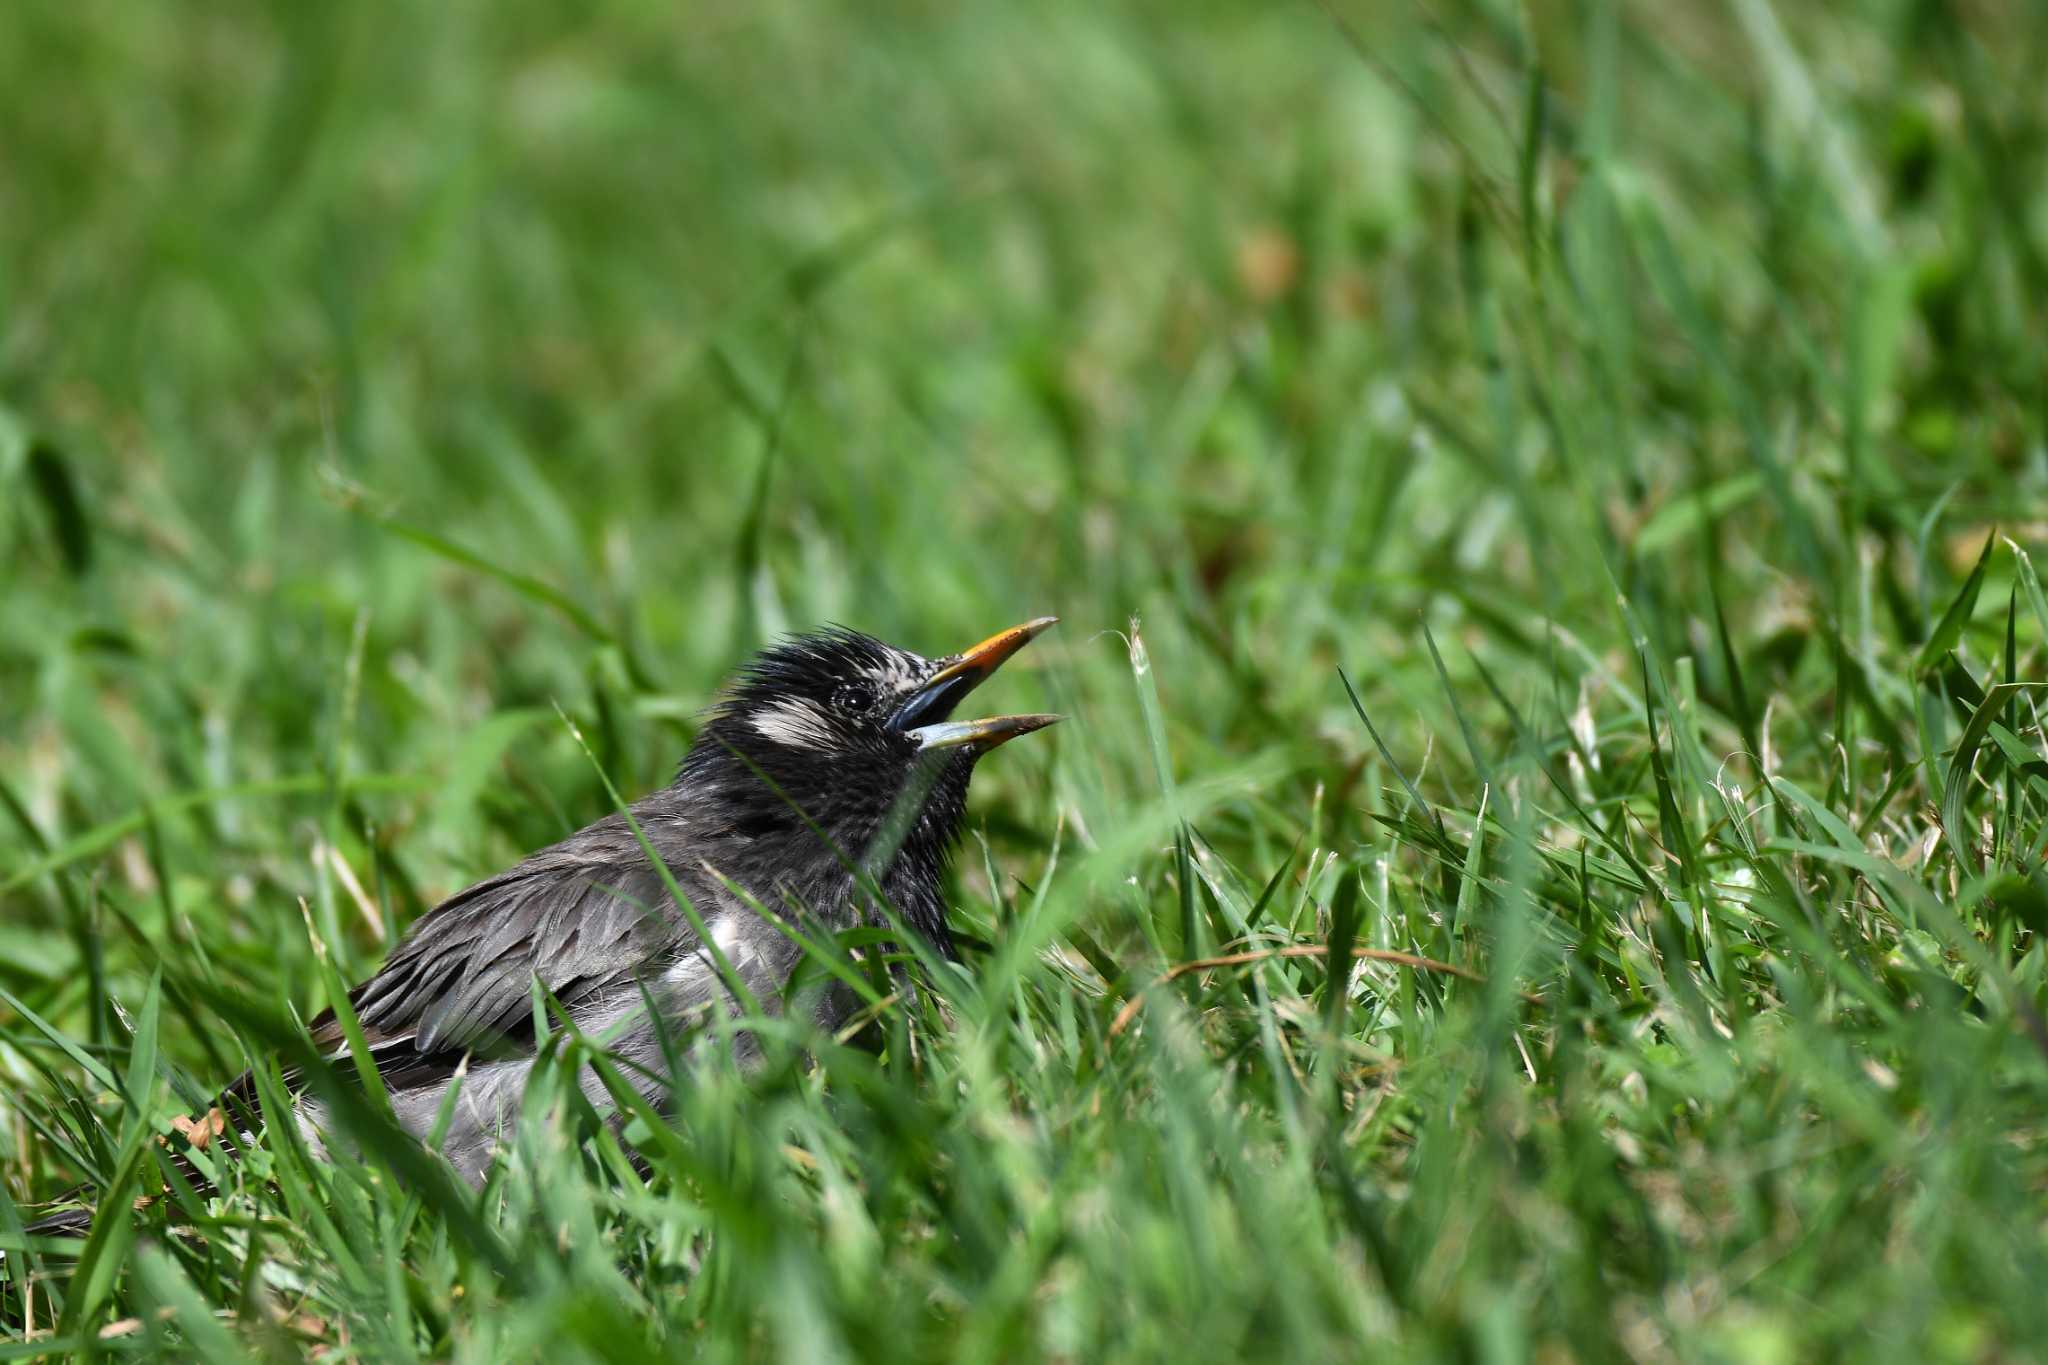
x: 373, y: 378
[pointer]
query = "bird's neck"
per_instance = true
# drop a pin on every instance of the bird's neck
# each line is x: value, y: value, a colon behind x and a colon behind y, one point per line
x: 915, y: 873
x: 816, y: 862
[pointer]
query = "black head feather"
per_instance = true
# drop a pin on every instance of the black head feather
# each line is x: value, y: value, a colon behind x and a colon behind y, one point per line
x: 807, y: 768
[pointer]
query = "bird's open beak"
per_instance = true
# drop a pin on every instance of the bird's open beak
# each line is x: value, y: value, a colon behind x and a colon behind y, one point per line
x: 944, y: 689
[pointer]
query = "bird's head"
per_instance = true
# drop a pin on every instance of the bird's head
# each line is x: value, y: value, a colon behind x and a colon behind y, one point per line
x: 837, y: 734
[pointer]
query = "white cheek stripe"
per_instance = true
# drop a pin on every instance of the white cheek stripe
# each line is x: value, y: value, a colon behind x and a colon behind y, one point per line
x: 795, y: 723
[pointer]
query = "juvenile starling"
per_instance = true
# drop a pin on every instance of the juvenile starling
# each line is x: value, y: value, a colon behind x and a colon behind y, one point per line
x: 832, y: 760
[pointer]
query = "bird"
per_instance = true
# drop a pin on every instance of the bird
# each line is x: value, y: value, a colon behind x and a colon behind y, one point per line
x: 831, y: 768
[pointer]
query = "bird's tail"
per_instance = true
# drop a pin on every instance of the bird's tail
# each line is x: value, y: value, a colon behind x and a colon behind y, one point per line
x: 73, y: 1222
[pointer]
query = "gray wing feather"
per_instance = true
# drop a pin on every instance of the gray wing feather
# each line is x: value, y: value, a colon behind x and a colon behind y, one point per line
x: 586, y: 916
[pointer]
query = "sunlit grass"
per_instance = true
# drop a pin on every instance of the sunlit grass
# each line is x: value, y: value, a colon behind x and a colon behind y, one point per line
x: 1634, y: 954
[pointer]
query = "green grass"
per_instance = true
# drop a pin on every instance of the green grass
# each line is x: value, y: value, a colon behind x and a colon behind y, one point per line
x: 1645, y: 406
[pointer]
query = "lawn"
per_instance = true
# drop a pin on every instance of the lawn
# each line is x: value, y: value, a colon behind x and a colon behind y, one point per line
x: 1547, y: 504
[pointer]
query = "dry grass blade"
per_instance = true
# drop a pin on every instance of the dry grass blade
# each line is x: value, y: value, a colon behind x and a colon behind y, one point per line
x: 1399, y: 959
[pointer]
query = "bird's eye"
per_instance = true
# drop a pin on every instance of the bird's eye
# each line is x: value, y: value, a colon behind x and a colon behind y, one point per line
x: 851, y: 699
